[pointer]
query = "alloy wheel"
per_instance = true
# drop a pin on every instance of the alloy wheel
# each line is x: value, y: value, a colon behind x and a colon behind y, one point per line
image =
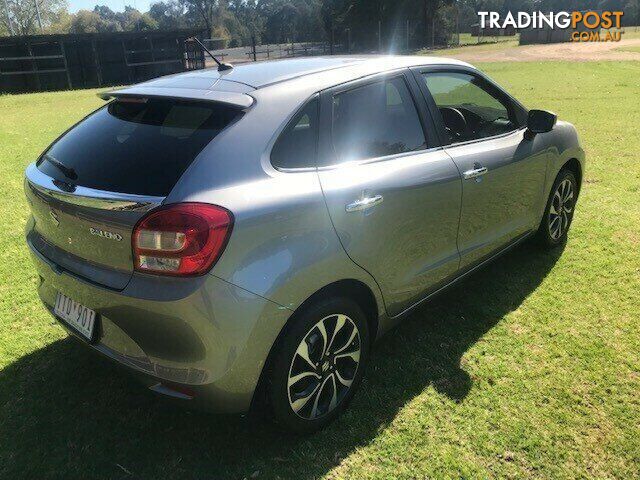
x: 561, y: 209
x: 324, y: 367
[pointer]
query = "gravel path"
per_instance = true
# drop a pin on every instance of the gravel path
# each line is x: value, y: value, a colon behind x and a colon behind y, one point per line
x: 579, y: 52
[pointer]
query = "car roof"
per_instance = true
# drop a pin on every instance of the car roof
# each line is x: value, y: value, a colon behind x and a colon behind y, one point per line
x: 260, y: 74
x: 316, y: 73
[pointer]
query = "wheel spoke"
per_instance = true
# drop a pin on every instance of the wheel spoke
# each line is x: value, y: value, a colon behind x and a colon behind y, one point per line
x: 558, y: 230
x: 296, y: 378
x: 552, y: 209
x: 346, y: 382
x: 568, y: 196
x: 557, y: 196
x: 553, y: 226
x: 303, y: 352
x: 564, y: 186
x: 340, y: 322
x: 355, y: 356
x: 314, y: 410
x: 334, y: 397
x: 300, y: 403
x: 323, y: 331
x: 348, y: 342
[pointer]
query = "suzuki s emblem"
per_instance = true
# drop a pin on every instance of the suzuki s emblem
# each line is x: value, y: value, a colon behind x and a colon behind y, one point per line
x: 54, y: 217
x: 104, y: 234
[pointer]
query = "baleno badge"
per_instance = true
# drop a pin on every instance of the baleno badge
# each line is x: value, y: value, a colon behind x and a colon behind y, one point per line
x: 104, y: 234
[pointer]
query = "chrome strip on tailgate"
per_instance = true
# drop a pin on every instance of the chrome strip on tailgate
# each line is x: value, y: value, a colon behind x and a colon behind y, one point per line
x: 89, y: 197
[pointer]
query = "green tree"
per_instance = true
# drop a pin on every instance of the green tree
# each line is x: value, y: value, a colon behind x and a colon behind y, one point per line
x: 632, y: 13
x: 61, y: 23
x: 24, y: 17
x: 293, y: 20
x: 245, y: 21
x: 209, y: 12
x: 334, y: 15
x: 87, y: 21
x: 169, y: 15
x: 132, y: 20
x: 110, y: 21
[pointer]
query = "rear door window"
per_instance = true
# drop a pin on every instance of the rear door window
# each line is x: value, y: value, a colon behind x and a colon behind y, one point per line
x: 375, y: 120
x: 136, y: 146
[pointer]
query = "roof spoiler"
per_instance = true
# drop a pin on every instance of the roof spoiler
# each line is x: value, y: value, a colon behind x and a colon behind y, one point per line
x: 234, y: 99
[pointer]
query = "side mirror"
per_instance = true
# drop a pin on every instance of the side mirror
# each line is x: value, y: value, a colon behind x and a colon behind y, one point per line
x: 541, y: 121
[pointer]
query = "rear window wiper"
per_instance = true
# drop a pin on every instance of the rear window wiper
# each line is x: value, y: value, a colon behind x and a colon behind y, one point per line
x: 69, y: 172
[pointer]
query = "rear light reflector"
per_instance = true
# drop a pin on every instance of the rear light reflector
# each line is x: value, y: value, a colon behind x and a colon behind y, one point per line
x: 182, y: 239
x: 167, y: 241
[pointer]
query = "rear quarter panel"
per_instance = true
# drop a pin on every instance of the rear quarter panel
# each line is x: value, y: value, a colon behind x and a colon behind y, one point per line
x: 283, y: 246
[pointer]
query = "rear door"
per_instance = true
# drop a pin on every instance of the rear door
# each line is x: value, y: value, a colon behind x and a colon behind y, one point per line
x: 88, y: 190
x: 393, y: 194
x: 502, y: 176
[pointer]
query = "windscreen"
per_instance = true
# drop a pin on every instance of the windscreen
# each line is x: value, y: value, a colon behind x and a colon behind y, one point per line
x: 136, y: 146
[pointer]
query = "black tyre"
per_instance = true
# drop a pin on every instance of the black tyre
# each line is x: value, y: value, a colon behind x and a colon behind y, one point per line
x: 319, y: 365
x: 558, y: 213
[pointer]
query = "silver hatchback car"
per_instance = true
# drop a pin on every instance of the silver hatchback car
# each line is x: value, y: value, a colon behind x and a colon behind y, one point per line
x: 244, y: 236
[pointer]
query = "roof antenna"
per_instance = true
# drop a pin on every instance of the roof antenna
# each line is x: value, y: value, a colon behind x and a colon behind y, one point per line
x: 221, y: 65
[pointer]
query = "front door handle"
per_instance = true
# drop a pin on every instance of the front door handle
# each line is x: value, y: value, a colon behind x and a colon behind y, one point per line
x: 475, y: 172
x: 364, y: 203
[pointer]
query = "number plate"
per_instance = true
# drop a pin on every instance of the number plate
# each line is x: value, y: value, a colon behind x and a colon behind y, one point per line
x: 79, y: 317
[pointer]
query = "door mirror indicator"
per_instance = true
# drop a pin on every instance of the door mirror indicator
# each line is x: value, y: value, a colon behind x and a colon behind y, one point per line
x: 541, y: 121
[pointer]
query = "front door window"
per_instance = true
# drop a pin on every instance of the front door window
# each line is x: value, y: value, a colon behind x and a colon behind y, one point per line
x: 469, y: 111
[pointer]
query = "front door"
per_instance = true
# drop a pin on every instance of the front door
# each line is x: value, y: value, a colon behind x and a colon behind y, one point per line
x: 501, y: 174
x: 394, y: 196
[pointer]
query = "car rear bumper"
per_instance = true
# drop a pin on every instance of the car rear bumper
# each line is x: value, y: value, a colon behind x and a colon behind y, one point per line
x: 202, y: 335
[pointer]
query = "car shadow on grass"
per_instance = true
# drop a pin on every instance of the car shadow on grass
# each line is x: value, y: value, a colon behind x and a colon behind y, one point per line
x: 66, y: 412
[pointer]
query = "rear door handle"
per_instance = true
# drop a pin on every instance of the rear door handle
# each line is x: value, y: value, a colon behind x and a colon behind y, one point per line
x: 475, y: 172
x: 364, y: 203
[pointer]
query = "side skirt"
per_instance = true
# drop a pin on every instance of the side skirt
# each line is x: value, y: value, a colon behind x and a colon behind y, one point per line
x: 463, y: 275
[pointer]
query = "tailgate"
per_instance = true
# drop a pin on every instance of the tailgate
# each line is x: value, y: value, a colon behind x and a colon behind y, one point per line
x: 82, y: 230
x: 91, y: 186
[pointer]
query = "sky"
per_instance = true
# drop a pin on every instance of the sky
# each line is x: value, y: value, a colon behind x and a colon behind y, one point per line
x: 116, y: 5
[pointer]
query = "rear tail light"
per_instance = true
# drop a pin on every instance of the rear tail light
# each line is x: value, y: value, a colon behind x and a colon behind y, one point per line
x: 181, y: 239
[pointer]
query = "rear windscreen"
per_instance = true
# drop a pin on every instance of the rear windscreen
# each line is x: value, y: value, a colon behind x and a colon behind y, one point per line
x: 138, y: 146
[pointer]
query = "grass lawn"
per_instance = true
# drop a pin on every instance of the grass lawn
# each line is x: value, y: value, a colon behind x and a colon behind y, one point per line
x: 470, y: 44
x: 631, y: 32
x: 630, y: 48
x: 528, y: 369
x: 468, y: 39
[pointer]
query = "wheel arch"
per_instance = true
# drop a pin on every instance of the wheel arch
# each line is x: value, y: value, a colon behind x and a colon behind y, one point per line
x: 574, y: 166
x: 353, y: 289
